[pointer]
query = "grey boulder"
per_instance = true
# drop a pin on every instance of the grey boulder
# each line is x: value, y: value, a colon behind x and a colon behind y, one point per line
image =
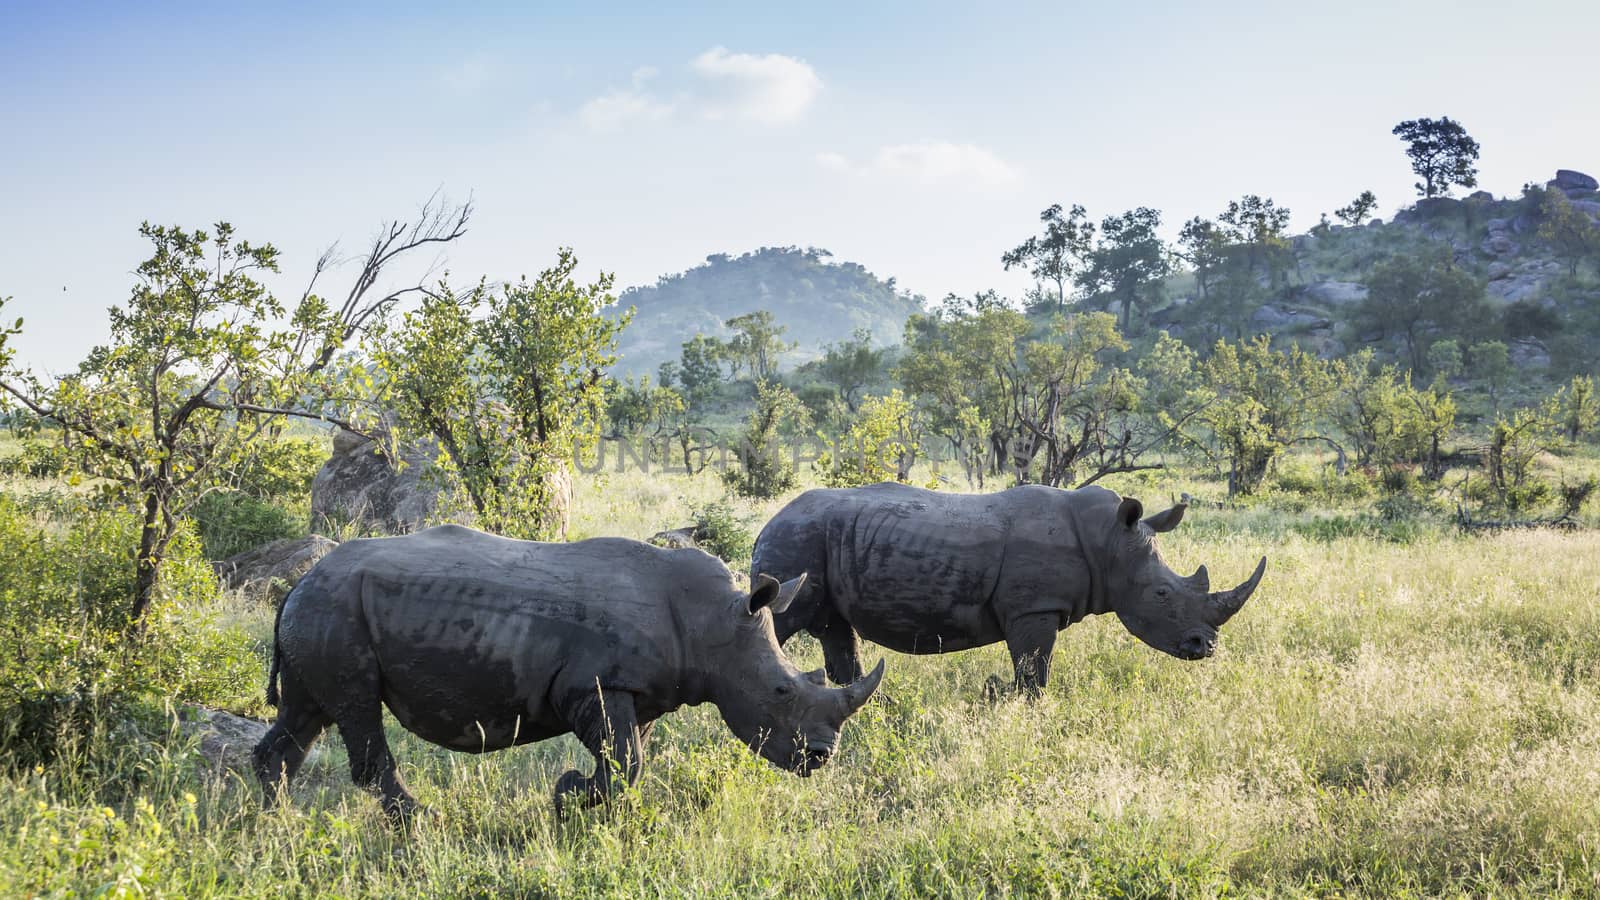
x: 270, y: 571
x: 1568, y: 180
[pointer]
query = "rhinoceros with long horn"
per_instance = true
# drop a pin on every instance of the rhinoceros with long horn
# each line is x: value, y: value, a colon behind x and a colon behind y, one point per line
x: 478, y: 643
x: 925, y: 572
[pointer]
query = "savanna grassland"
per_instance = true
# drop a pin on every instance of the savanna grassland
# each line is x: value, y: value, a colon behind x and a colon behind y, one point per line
x: 1399, y: 711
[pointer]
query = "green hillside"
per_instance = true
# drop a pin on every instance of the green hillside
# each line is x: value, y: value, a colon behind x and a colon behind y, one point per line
x: 1529, y: 290
x: 818, y: 300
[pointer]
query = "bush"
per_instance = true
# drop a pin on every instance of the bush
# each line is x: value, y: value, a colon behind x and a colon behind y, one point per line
x: 70, y: 665
x: 35, y: 460
x: 720, y: 532
x: 763, y: 472
x: 282, y: 469
x: 881, y: 445
x: 232, y: 522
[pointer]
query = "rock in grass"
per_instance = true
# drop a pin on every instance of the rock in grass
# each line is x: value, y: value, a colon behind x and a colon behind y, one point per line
x: 269, y: 572
x: 226, y: 740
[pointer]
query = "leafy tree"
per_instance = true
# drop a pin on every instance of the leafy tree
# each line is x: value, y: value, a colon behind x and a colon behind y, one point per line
x: 509, y: 383
x: 951, y: 363
x: 200, y: 367
x: 1491, y: 364
x: 1238, y: 259
x: 1417, y: 296
x: 852, y: 365
x: 634, y: 405
x: 1203, y: 244
x: 1259, y: 228
x: 1263, y: 402
x: 1057, y: 255
x: 881, y: 445
x: 1577, y: 407
x: 757, y: 343
x: 1514, y: 443
x: 1076, y: 419
x: 699, y: 370
x: 1442, y: 154
x: 1129, y: 261
x: 1568, y: 230
x: 1444, y: 358
x: 763, y: 472
x: 1388, y: 421
x: 1359, y: 209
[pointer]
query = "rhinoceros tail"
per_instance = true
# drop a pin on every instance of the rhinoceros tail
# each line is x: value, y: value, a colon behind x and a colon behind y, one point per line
x: 272, y: 678
x: 277, y: 656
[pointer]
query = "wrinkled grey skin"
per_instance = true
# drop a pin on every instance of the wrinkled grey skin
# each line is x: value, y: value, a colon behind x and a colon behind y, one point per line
x: 478, y: 643
x: 925, y: 572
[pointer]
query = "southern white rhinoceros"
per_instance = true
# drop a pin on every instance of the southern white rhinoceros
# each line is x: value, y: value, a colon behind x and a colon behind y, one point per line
x: 478, y: 643
x: 925, y: 572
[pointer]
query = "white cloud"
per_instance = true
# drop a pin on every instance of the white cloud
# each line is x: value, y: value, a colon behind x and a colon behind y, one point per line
x: 772, y: 89
x: 929, y: 162
x: 614, y: 109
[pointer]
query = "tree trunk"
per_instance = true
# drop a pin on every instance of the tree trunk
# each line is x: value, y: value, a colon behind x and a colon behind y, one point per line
x: 147, y: 561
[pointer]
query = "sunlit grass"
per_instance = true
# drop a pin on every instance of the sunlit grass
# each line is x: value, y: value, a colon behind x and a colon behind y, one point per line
x: 1385, y: 718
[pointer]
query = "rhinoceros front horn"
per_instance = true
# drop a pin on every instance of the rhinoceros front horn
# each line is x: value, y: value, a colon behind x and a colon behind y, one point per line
x: 859, y: 692
x: 1224, y: 604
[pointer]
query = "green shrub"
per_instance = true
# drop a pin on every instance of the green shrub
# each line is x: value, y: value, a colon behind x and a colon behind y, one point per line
x: 36, y: 459
x: 763, y: 472
x: 283, y: 469
x: 232, y: 522
x: 69, y: 664
x: 720, y: 531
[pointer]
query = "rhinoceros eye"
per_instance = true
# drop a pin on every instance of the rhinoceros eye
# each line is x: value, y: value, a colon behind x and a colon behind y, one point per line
x: 783, y: 689
x: 1163, y: 592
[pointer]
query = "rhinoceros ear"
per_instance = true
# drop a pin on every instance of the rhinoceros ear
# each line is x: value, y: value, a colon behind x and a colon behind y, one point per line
x: 1129, y: 512
x: 1167, y: 520
x: 769, y: 594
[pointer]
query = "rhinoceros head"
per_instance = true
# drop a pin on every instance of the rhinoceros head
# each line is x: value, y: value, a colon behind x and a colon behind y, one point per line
x: 790, y: 717
x: 1170, y: 612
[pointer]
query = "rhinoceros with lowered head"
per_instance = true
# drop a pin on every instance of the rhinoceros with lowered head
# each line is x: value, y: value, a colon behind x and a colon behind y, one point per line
x: 477, y: 643
x: 925, y: 572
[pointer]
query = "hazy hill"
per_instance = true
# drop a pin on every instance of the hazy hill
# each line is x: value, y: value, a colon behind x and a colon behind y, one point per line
x: 820, y: 301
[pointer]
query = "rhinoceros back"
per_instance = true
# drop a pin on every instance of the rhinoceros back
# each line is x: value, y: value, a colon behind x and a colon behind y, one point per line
x: 921, y: 571
x: 471, y: 631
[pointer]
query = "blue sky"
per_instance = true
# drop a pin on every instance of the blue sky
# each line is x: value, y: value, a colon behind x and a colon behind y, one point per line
x: 920, y: 140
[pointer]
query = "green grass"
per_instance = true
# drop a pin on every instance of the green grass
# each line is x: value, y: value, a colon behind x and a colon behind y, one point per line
x: 1385, y: 718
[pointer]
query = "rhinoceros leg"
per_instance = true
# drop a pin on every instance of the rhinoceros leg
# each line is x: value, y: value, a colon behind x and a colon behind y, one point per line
x: 372, y: 765
x: 609, y: 728
x: 283, y: 748
x: 1031, y: 639
x: 841, y: 651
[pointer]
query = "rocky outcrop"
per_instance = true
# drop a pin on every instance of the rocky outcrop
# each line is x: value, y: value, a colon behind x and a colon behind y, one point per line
x: 1524, y: 282
x: 1497, y: 241
x: 1275, y: 318
x: 1335, y: 293
x: 268, y: 573
x: 1570, y: 182
x: 1529, y: 353
x: 360, y: 485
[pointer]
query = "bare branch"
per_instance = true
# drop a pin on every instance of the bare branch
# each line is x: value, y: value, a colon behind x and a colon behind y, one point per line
x: 437, y: 223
